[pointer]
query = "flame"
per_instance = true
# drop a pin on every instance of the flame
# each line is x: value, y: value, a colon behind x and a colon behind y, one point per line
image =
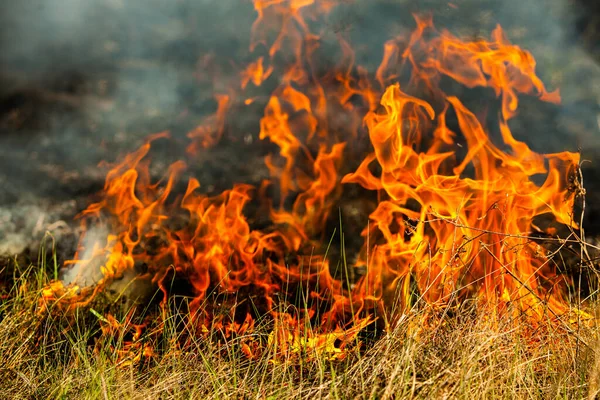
x: 457, y: 213
x: 210, y: 131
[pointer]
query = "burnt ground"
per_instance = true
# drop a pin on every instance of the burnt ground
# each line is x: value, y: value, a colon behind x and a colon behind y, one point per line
x: 86, y: 81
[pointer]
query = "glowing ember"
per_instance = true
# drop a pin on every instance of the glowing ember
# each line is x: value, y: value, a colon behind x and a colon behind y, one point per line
x: 454, y: 220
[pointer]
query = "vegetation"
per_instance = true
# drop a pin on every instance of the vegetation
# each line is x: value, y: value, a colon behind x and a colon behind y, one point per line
x: 89, y: 354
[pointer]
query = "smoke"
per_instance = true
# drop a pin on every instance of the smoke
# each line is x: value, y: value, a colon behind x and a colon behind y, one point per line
x: 86, y: 80
x: 565, y: 59
x: 142, y: 55
x: 87, y: 272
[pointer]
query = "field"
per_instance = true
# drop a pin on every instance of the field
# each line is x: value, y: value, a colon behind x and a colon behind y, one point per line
x: 55, y: 356
x: 299, y: 199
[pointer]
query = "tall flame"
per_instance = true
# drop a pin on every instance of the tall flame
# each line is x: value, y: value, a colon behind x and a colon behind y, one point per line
x: 456, y: 213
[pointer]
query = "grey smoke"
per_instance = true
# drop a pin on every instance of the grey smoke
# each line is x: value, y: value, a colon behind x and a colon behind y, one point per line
x: 87, y: 272
x: 100, y: 39
x: 91, y: 78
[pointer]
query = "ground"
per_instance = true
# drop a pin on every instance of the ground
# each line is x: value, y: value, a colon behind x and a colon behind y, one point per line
x: 89, y: 81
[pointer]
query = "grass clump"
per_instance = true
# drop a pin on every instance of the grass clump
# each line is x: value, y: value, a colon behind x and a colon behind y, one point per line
x: 103, y: 351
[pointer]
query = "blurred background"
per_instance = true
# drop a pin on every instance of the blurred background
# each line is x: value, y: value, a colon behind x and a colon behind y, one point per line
x: 83, y: 81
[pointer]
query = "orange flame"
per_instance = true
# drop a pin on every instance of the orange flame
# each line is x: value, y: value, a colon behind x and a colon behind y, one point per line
x: 456, y: 212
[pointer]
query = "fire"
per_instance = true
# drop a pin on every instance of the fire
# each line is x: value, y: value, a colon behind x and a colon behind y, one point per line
x: 457, y: 208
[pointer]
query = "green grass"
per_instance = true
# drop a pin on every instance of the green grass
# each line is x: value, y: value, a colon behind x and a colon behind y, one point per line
x: 60, y: 355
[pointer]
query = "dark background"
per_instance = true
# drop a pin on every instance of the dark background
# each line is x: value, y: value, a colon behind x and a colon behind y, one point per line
x: 87, y: 80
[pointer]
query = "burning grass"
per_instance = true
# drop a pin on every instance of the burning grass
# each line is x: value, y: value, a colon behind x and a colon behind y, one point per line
x: 458, y: 287
x: 71, y: 355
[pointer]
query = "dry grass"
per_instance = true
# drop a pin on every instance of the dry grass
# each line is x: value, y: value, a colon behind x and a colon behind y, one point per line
x: 64, y: 356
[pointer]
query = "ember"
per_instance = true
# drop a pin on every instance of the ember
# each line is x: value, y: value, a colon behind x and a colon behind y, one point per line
x: 457, y: 209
